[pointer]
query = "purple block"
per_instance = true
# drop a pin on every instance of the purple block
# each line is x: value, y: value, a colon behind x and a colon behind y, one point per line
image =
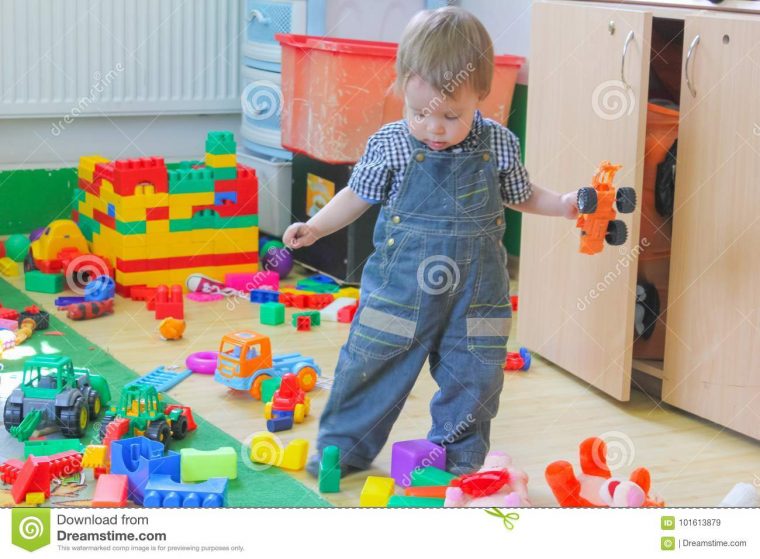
x: 406, y: 456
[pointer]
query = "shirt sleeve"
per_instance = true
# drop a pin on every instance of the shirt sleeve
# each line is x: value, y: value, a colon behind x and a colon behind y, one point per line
x: 371, y: 176
x: 513, y: 176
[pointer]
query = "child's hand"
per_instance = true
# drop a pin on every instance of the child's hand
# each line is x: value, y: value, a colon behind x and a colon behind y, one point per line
x: 299, y: 235
x: 569, y: 203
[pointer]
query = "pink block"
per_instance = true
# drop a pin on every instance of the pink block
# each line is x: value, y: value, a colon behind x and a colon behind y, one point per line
x: 204, y: 297
x: 6, y: 324
x: 245, y: 281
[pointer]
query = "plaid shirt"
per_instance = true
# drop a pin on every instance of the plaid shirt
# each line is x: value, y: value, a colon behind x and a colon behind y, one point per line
x: 378, y: 175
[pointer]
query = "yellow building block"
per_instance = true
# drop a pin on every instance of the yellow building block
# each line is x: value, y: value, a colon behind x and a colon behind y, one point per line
x: 8, y: 267
x: 35, y: 498
x: 157, y: 226
x: 192, y: 199
x: 377, y: 491
x: 95, y: 456
x: 218, y: 161
x: 266, y: 449
x: 178, y: 211
x: 130, y: 214
x: 87, y: 164
x: 348, y: 292
x: 294, y: 457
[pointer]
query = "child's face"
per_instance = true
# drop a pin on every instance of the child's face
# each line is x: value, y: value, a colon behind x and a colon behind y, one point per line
x: 439, y: 121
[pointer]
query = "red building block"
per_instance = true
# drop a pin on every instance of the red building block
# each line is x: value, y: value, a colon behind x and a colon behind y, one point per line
x: 319, y: 300
x: 303, y: 323
x: 156, y: 214
x: 34, y: 477
x: 8, y: 314
x: 111, y: 491
x: 130, y: 173
x: 169, y: 302
x: 142, y: 293
x: 513, y: 300
x: 346, y: 314
x: 9, y: 470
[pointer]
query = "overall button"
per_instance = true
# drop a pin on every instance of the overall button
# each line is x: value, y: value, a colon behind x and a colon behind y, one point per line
x: 420, y: 157
x: 391, y: 242
x: 486, y: 156
x: 396, y: 219
x: 499, y: 221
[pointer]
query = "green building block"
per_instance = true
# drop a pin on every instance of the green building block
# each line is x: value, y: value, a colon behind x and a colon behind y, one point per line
x: 131, y: 227
x: 317, y: 287
x: 202, y: 465
x: 191, y: 181
x: 48, y: 447
x: 224, y: 173
x: 220, y: 142
x: 406, y: 502
x: 43, y: 283
x: 272, y: 314
x: 424, y: 477
x: 206, y: 220
x: 88, y: 226
x: 314, y: 315
x: 329, y: 470
x: 269, y: 387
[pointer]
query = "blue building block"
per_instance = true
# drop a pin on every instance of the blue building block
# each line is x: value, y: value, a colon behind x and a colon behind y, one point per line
x: 139, y: 458
x: 221, y: 197
x: 161, y: 491
x: 264, y: 296
x: 321, y: 278
x: 281, y: 421
x: 66, y: 301
x: 162, y: 378
x: 111, y: 210
x: 100, y: 289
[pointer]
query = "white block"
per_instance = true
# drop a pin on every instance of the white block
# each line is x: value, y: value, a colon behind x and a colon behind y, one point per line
x: 330, y: 312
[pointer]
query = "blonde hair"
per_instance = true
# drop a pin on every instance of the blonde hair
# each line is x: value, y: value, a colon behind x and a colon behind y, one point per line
x: 448, y: 48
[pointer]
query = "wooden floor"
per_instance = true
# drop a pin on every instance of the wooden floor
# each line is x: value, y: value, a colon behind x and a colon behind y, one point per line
x: 544, y: 413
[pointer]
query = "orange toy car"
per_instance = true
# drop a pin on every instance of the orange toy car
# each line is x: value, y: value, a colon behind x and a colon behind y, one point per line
x: 596, y: 206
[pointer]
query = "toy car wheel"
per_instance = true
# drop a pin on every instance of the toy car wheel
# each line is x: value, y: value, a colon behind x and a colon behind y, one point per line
x: 299, y: 414
x: 625, y: 199
x: 158, y: 431
x: 74, y: 419
x: 307, y: 378
x: 268, y: 410
x: 94, y: 403
x: 617, y: 233
x: 525, y: 354
x: 179, y: 428
x: 255, y: 390
x: 104, y: 423
x: 587, y: 200
x: 29, y: 265
x: 13, y: 414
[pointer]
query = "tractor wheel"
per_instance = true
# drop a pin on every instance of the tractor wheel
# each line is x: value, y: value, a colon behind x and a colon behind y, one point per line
x: 299, y: 414
x: 307, y: 378
x: 255, y: 390
x: 104, y: 423
x: 587, y: 200
x: 159, y: 431
x: 94, y: 403
x: 617, y: 233
x: 13, y: 415
x: 74, y: 419
x: 179, y: 428
x: 625, y: 199
x: 268, y: 410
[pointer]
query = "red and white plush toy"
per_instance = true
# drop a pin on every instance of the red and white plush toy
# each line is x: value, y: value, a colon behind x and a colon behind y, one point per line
x: 595, y: 486
x: 497, y: 484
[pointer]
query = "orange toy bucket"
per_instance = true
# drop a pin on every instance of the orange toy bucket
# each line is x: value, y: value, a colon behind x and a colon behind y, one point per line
x: 337, y: 92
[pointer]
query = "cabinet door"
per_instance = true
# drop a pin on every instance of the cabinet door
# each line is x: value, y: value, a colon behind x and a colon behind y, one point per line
x: 577, y: 310
x: 712, y: 348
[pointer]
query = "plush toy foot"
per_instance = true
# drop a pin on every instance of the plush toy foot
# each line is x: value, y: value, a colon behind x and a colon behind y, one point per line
x: 565, y: 486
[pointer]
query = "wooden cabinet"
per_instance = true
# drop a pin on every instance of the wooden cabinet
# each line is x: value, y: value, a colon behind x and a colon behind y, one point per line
x: 588, y: 91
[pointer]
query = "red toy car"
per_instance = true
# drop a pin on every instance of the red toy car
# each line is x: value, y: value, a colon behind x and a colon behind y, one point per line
x: 597, y: 212
x: 290, y: 397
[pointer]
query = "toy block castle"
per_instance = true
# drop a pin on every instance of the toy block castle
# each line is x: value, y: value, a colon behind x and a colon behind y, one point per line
x: 157, y: 225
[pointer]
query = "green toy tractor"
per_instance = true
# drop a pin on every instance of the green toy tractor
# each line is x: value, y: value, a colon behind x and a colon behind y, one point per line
x: 141, y: 405
x: 54, y: 393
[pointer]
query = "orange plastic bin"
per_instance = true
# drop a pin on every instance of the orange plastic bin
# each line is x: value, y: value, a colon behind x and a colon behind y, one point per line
x: 337, y: 92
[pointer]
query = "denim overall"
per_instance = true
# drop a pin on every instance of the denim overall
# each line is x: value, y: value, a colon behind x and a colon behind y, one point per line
x: 435, y: 288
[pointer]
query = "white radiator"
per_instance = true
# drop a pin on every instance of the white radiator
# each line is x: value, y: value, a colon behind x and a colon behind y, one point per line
x: 119, y: 57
